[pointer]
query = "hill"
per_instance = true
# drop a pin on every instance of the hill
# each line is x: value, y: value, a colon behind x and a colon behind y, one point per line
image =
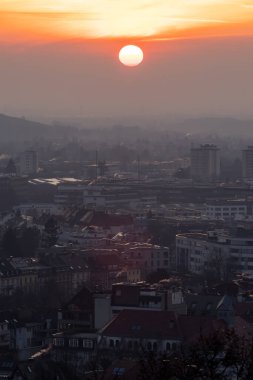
x: 20, y: 129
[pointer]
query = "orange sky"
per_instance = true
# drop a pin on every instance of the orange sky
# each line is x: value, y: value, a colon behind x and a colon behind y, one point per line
x: 29, y: 20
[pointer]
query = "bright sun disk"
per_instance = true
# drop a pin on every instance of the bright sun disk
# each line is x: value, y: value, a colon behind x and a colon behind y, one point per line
x: 131, y: 55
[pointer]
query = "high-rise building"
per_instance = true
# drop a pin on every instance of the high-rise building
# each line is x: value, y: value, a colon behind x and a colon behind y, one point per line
x: 29, y: 162
x: 205, y: 163
x: 247, y: 163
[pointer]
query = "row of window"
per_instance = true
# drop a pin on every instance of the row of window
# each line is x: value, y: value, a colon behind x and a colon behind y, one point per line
x: 165, y: 263
x: 226, y: 208
x: 73, y: 342
x: 226, y: 214
x: 134, y: 345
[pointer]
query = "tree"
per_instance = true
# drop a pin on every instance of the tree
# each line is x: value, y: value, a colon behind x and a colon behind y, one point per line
x: 29, y: 241
x: 50, y: 235
x: 155, y: 277
x: 10, y: 242
x: 220, y: 267
x: 223, y: 355
x: 23, y: 242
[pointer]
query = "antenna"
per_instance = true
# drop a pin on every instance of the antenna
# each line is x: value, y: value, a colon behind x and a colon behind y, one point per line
x: 139, y: 167
x: 96, y: 164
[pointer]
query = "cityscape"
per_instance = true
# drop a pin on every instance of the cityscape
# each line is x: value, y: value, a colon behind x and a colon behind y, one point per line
x: 109, y: 260
x: 126, y: 190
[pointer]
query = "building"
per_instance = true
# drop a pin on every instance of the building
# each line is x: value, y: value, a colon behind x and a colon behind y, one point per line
x: 215, y: 252
x: 38, y: 209
x: 133, y: 331
x: 4, y: 331
x: 29, y: 162
x: 205, y: 163
x: 125, y: 296
x: 149, y: 257
x: 247, y: 163
x: 28, y: 337
x: 104, y: 270
x: 76, y: 348
x: 229, y: 210
x: 78, y: 312
x: 10, y: 278
x: 70, y: 193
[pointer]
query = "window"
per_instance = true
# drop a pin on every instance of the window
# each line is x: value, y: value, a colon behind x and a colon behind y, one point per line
x: 130, y: 345
x: 136, y: 327
x: 208, y: 307
x: 111, y: 344
x: 87, y: 343
x: 165, y: 254
x: 174, y: 346
x: 73, y: 343
x: 154, y: 346
x: 149, y: 346
x: 118, y: 372
x: 168, y: 346
x: 165, y: 263
x: 58, y: 342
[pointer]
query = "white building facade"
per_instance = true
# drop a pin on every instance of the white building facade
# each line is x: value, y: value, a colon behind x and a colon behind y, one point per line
x: 228, y: 210
x: 198, y: 253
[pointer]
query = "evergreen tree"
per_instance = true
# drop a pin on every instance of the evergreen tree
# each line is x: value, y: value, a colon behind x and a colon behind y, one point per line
x: 50, y: 235
x: 10, y: 242
x: 29, y: 241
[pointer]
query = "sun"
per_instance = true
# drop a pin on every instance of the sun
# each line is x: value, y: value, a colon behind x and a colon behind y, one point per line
x: 131, y: 55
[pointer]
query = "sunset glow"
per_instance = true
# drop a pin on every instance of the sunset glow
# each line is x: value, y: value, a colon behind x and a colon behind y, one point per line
x: 143, y: 19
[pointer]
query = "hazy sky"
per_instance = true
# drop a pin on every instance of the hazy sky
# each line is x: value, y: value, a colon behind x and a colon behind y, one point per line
x: 60, y: 57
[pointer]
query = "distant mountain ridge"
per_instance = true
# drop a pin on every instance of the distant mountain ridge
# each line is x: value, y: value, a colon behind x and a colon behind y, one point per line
x: 220, y: 125
x: 21, y: 129
x: 15, y: 129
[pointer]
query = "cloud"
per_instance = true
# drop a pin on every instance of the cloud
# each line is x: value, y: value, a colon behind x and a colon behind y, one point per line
x: 118, y: 19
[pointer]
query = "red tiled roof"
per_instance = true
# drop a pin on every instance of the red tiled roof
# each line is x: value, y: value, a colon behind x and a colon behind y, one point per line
x: 194, y: 326
x: 144, y: 324
x: 108, y: 220
x: 104, y: 260
x: 161, y: 325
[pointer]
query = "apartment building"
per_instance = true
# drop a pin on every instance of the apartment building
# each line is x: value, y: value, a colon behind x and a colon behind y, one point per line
x: 198, y: 253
